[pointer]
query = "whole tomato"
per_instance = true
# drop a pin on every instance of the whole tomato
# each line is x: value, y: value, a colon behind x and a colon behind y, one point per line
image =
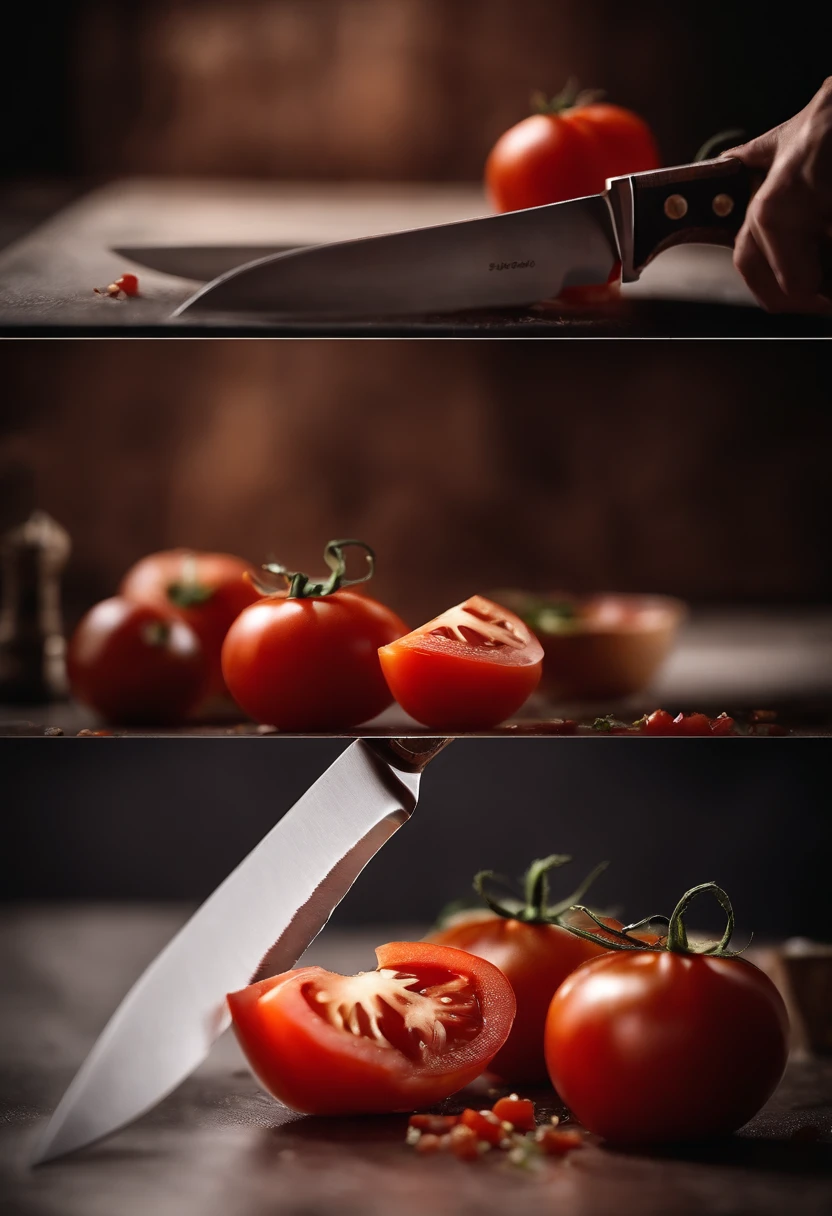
x: 567, y: 150
x: 307, y: 658
x: 667, y: 1043
x: 535, y: 951
x: 207, y: 590
x: 134, y: 663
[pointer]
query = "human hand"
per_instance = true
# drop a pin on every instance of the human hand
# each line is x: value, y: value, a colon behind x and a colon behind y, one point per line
x: 780, y: 249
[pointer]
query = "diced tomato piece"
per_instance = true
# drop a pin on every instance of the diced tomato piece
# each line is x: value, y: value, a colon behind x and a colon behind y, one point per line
x: 517, y: 1111
x: 660, y: 722
x: 557, y: 1143
x: 428, y: 1143
x: 723, y: 725
x: 484, y: 1124
x: 437, y: 1125
x: 463, y: 1143
x: 129, y: 284
x: 691, y: 725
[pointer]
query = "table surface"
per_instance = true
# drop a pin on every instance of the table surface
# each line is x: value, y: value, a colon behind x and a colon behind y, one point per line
x: 47, y: 277
x: 219, y: 1144
x: 733, y: 660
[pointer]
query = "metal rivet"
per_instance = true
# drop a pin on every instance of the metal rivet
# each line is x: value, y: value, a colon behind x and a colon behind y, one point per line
x: 675, y: 206
x: 723, y: 205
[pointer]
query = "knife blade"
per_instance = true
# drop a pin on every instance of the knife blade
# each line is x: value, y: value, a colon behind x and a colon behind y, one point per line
x: 198, y: 262
x: 513, y: 259
x: 260, y: 919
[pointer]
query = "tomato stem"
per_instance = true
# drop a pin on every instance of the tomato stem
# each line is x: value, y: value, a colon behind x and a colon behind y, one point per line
x: 675, y: 938
x: 187, y: 590
x: 569, y: 98
x: 534, y: 908
x: 301, y: 586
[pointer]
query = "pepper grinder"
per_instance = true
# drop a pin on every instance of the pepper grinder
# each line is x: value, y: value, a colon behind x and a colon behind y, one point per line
x: 32, y: 644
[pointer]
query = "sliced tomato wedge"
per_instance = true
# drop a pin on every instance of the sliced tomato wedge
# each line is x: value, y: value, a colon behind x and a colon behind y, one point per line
x: 420, y: 1027
x: 468, y: 669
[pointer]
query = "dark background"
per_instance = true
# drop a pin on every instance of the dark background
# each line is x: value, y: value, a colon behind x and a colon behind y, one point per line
x: 365, y: 89
x: 167, y: 819
x: 418, y: 89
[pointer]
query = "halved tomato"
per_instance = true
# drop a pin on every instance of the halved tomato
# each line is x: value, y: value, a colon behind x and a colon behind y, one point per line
x: 423, y: 1025
x: 467, y: 669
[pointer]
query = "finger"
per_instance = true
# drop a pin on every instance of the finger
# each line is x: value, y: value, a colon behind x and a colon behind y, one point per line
x: 757, y: 153
x: 785, y: 236
x: 754, y: 268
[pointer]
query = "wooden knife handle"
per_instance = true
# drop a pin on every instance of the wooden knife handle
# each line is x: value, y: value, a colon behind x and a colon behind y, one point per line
x: 703, y: 203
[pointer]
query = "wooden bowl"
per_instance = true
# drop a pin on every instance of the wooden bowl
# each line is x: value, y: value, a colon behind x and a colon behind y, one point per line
x: 598, y: 646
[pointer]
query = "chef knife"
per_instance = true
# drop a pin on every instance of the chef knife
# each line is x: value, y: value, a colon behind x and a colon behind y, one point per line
x: 257, y: 923
x: 516, y: 258
x: 198, y: 262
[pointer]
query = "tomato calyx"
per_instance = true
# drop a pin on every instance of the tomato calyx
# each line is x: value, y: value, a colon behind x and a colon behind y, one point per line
x: 570, y: 97
x: 675, y: 938
x: 534, y: 908
x: 187, y: 591
x: 296, y: 585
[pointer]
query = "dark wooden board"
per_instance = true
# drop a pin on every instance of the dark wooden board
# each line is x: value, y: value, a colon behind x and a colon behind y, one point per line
x: 47, y: 278
x: 219, y: 1145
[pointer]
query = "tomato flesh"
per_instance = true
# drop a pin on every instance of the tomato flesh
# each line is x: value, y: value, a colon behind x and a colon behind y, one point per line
x: 469, y: 668
x: 654, y: 1046
x: 402, y: 1037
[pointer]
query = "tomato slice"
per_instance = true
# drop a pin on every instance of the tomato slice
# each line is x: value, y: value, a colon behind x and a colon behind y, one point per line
x: 420, y: 1027
x: 469, y: 668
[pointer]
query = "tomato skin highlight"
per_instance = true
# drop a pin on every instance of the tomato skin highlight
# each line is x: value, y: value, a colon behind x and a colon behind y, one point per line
x: 135, y: 664
x: 550, y: 158
x: 656, y: 1046
x: 311, y: 663
x: 320, y: 1068
x: 454, y: 683
x: 218, y: 577
x: 535, y: 959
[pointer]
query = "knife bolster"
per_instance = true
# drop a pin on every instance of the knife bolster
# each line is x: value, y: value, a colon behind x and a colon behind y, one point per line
x: 703, y: 203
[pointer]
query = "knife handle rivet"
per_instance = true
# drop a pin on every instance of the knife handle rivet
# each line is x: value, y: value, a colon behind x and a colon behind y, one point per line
x: 675, y: 206
x: 723, y: 205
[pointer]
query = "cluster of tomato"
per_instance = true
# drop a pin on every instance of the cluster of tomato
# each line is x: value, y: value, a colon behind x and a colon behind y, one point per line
x: 530, y: 995
x: 187, y: 627
x: 510, y: 1126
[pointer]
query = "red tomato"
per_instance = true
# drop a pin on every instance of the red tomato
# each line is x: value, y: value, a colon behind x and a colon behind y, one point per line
x: 517, y: 1111
x: 310, y: 663
x: 469, y: 668
x: 402, y: 1037
x: 129, y: 284
x: 207, y: 590
x: 134, y: 663
x: 654, y: 1045
x: 660, y: 722
x: 535, y: 959
x: 551, y: 157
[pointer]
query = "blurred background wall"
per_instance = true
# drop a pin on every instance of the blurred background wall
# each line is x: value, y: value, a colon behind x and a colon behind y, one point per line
x: 698, y: 469
x: 374, y: 89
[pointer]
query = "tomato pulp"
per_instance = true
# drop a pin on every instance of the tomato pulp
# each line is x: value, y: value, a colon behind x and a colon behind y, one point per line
x: 420, y: 1027
x: 468, y: 669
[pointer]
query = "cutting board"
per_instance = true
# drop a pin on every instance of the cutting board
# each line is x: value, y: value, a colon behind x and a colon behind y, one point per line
x: 47, y: 279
